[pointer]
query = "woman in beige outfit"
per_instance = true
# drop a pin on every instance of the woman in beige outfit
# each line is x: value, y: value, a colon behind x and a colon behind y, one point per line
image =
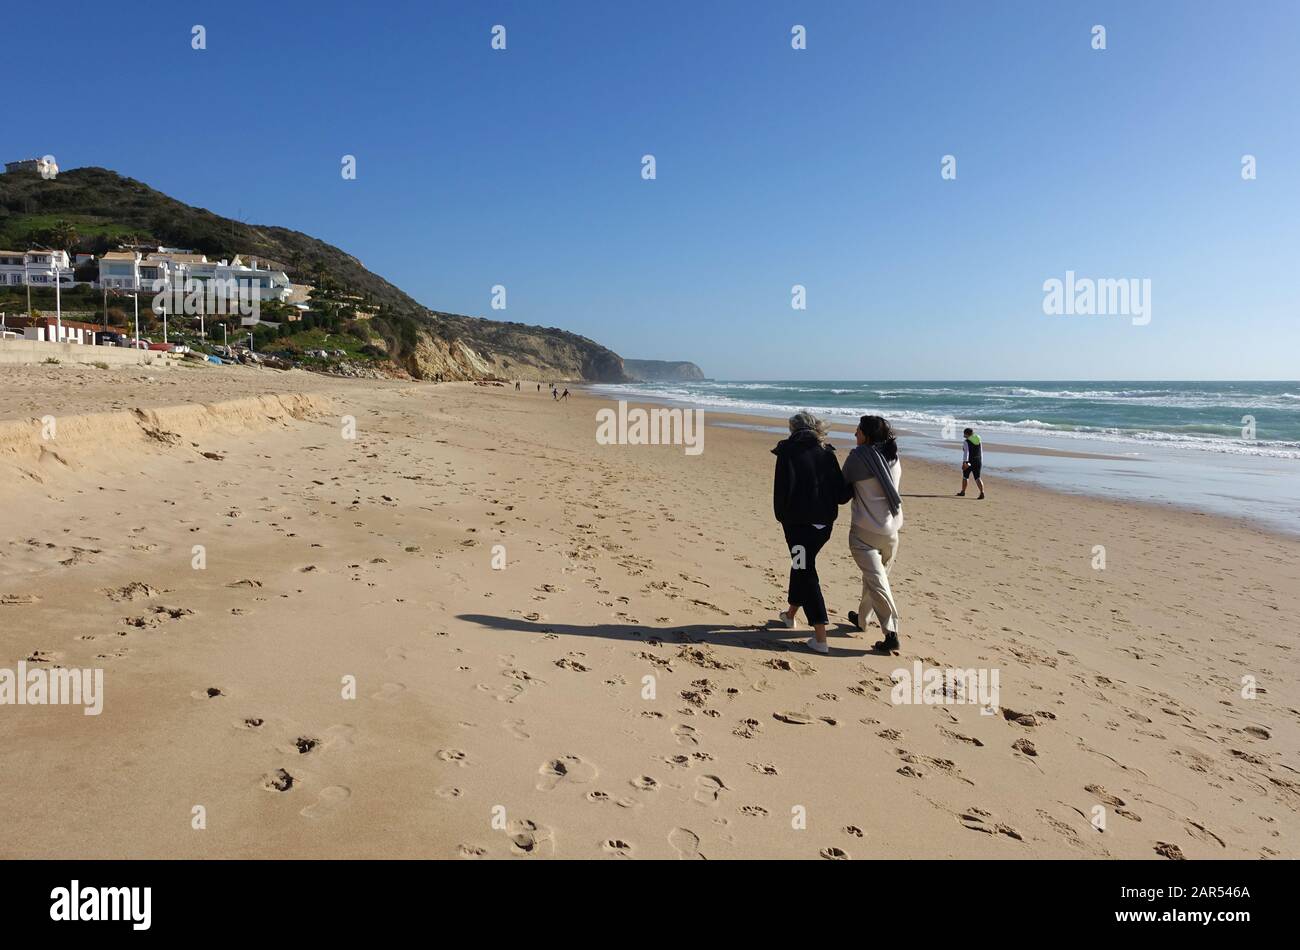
x: 873, y: 472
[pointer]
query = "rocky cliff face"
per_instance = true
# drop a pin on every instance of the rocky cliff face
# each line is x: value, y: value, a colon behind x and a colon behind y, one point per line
x: 657, y: 371
x: 461, y: 347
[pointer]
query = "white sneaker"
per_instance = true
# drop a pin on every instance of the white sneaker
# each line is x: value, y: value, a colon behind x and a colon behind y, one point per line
x: 816, y: 647
x: 785, y: 620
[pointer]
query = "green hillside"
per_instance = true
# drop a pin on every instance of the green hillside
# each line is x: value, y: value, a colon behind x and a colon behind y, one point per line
x: 93, y: 210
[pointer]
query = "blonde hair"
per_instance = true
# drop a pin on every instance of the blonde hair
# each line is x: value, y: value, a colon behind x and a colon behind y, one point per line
x: 806, y: 420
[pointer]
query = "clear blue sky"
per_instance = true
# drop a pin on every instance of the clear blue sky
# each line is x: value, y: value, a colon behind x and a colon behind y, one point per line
x: 775, y: 167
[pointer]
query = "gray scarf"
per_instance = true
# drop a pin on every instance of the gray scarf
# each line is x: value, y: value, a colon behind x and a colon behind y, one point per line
x: 879, y: 470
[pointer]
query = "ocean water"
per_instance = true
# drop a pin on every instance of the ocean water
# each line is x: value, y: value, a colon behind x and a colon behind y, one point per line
x: 1206, y: 416
x: 1223, y: 447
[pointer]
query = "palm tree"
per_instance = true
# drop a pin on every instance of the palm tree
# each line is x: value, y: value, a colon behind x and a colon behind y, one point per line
x: 63, y: 236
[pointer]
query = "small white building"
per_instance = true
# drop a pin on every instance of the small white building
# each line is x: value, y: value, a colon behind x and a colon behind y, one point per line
x: 13, y: 273
x: 36, y: 269
x: 45, y: 167
x: 120, y: 270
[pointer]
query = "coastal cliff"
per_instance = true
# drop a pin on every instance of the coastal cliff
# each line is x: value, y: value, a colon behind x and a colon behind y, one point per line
x: 660, y: 371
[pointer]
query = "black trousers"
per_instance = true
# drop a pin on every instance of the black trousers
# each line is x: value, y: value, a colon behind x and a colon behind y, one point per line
x: 804, y: 541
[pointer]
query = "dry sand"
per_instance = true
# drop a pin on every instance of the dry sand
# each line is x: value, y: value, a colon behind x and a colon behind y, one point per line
x: 504, y: 712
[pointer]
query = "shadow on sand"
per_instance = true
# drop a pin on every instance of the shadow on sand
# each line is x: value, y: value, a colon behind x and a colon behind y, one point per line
x: 843, y: 639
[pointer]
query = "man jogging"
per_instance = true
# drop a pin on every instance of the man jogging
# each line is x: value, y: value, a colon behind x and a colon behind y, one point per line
x: 972, y: 462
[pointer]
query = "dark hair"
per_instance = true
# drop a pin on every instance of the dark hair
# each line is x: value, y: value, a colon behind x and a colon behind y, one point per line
x: 968, y: 432
x: 878, y: 432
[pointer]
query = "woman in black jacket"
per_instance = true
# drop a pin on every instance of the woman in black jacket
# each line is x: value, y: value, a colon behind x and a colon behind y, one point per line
x: 806, y: 495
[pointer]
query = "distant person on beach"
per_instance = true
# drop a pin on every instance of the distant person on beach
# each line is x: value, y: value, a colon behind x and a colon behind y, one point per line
x: 539, y: 387
x: 873, y: 474
x: 555, y: 394
x: 807, y: 492
x: 972, y: 462
x: 565, y: 395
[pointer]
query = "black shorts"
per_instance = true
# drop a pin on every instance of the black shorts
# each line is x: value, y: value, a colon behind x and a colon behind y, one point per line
x: 971, y: 469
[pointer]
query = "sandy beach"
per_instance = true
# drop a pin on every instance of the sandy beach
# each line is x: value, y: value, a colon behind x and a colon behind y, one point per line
x: 433, y: 640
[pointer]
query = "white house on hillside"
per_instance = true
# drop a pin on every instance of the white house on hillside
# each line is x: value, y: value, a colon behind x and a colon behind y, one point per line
x: 39, y: 166
x: 12, y: 272
x: 35, y: 269
x: 130, y: 271
x: 256, y: 281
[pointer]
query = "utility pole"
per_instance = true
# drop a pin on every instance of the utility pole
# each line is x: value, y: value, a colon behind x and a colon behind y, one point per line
x: 58, y: 297
x: 135, y: 344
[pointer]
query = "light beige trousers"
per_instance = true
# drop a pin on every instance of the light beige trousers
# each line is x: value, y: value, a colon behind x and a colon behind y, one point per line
x: 875, y: 554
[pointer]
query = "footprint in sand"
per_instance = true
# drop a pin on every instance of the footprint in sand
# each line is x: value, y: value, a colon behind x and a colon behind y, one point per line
x: 645, y: 783
x: 338, y: 736
x: 277, y: 781
x: 977, y: 819
x: 389, y: 692
x: 331, y: 798
x: 516, y: 728
x: 617, y: 847
x: 834, y: 854
x: 528, y: 838
x: 454, y: 756
x: 709, y: 789
x: 1170, y: 851
x: 567, y: 769
x: 686, y: 843
x: 685, y: 735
